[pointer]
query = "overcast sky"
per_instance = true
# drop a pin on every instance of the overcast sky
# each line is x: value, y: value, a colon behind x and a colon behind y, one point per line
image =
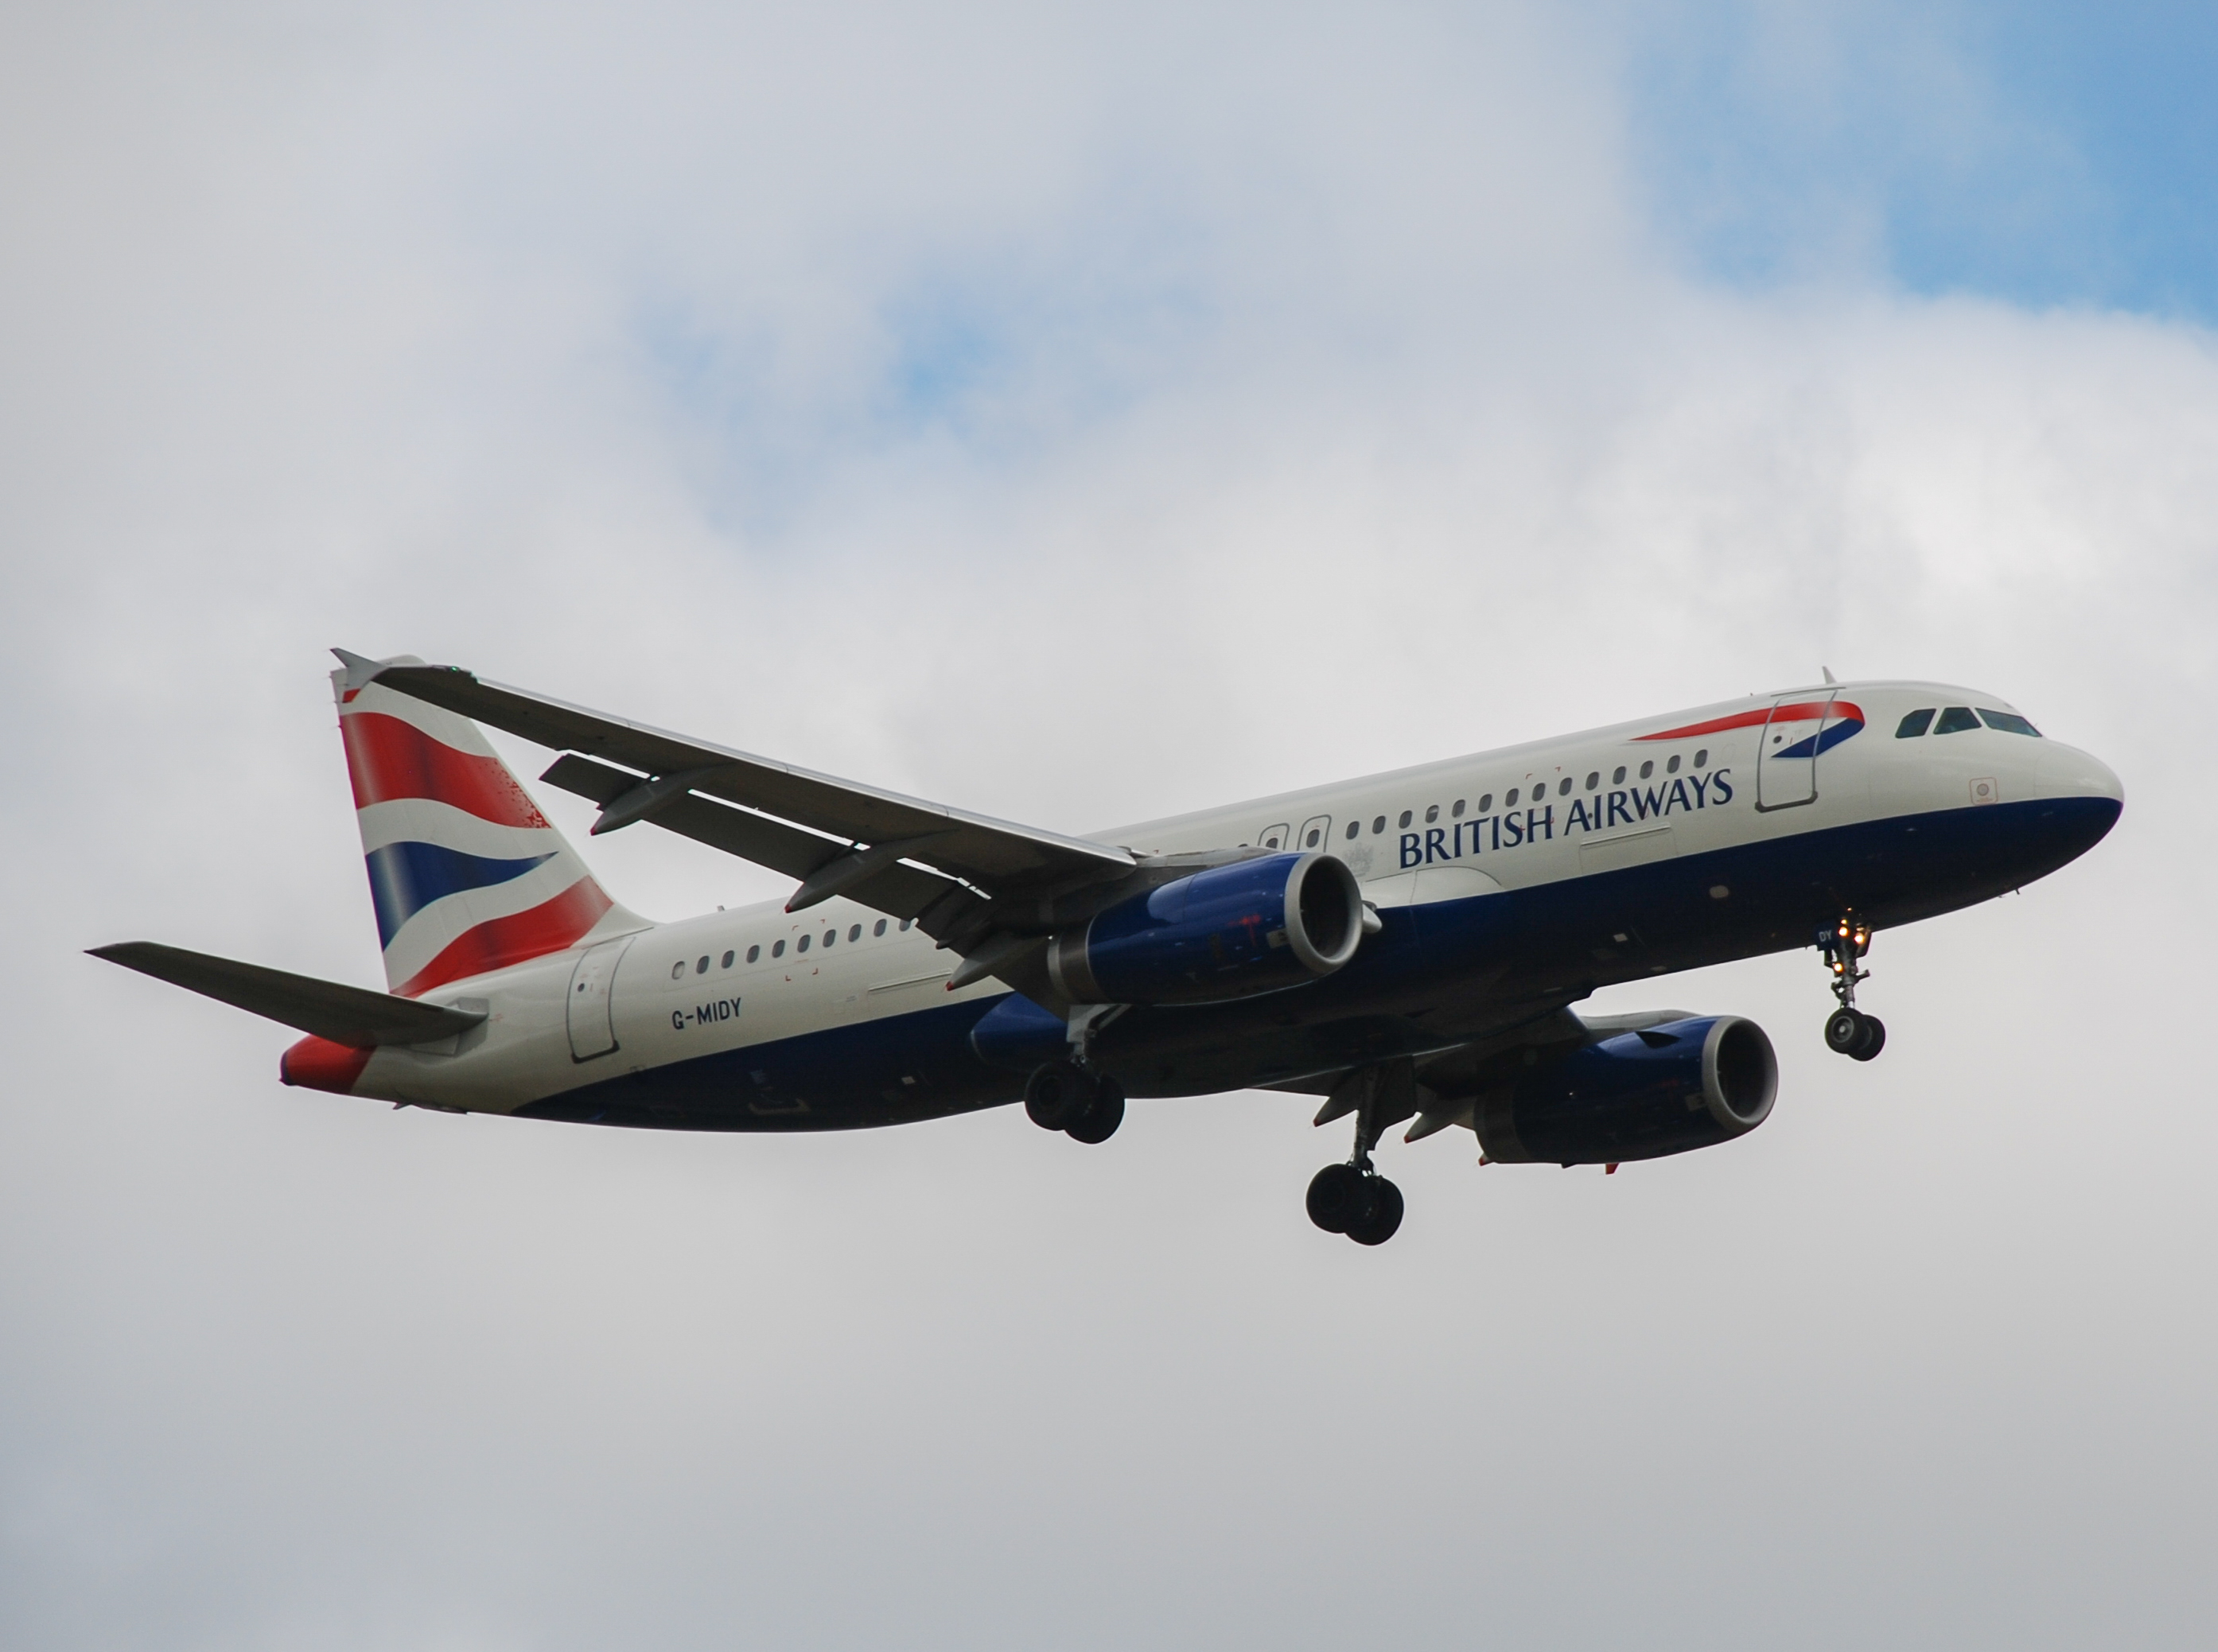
x: 1087, y: 414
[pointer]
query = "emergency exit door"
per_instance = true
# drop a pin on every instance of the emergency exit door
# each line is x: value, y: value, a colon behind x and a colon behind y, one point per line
x: 592, y: 1008
x: 1786, y: 761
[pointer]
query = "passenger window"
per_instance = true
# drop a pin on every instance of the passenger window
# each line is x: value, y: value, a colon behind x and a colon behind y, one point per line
x: 1311, y: 842
x: 1565, y: 789
x: 1379, y: 825
x: 1594, y: 779
x: 1646, y: 770
x: 1405, y: 820
x: 830, y: 936
x: 1457, y: 812
x: 753, y: 953
x: 1672, y: 767
x: 1618, y: 778
x: 1955, y: 720
x: 702, y: 968
x: 854, y: 931
x: 678, y: 970
x: 777, y: 948
x: 1355, y: 827
x: 727, y: 962
x: 1486, y: 802
x: 1432, y: 813
x: 801, y: 945
x: 2008, y: 722
x: 1914, y: 724
x: 879, y: 928
x: 1703, y: 759
x: 906, y: 922
x: 1510, y: 801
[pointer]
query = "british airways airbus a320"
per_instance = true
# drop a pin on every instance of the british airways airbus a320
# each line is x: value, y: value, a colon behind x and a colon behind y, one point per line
x: 1407, y: 946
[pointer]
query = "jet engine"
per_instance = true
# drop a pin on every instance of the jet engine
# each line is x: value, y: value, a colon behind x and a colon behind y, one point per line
x: 1640, y: 1095
x: 1229, y: 931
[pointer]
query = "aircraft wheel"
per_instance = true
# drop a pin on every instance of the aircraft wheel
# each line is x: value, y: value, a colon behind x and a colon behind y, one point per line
x: 1337, y: 1197
x: 1056, y: 1094
x: 1100, y: 1119
x: 1844, y: 1031
x: 1874, y: 1039
x: 1385, y: 1216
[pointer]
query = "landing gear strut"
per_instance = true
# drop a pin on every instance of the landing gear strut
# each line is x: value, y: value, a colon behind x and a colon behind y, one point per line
x: 1353, y: 1198
x: 1848, y: 1030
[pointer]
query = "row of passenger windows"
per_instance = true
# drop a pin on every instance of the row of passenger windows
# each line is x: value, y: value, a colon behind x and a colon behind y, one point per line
x: 777, y: 948
x: 1955, y: 720
x: 1509, y: 800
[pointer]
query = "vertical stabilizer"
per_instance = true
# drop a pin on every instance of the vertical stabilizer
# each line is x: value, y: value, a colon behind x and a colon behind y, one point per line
x: 465, y: 873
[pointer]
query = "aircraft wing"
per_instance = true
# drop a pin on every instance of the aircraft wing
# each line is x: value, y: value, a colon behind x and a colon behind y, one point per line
x: 838, y: 837
x: 354, y: 1016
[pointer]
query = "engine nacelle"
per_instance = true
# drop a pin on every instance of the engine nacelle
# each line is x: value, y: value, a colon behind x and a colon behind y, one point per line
x: 1230, y: 932
x: 1640, y: 1095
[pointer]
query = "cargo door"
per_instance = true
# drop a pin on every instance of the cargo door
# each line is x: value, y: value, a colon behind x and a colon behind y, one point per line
x: 592, y: 1010
x: 1786, y: 761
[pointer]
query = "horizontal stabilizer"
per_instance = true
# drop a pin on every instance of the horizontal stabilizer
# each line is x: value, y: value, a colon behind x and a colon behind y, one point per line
x: 353, y: 1016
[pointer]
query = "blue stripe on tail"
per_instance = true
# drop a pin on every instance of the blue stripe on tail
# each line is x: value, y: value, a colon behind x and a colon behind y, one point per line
x: 406, y: 877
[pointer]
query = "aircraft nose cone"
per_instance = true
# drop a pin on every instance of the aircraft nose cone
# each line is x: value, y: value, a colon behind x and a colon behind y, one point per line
x: 2069, y: 772
x: 2084, y: 800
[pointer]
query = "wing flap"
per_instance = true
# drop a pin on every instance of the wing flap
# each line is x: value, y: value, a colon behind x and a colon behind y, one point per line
x: 992, y: 854
x: 901, y: 891
x: 354, y: 1016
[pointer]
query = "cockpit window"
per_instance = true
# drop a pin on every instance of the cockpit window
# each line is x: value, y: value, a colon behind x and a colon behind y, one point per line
x: 1955, y: 720
x: 2009, y: 721
x: 1914, y: 724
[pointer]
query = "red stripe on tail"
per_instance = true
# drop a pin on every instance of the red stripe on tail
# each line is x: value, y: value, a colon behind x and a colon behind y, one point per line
x: 388, y: 759
x: 500, y: 942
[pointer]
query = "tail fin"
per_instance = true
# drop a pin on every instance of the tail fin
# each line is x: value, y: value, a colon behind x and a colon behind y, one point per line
x: 465, y: 873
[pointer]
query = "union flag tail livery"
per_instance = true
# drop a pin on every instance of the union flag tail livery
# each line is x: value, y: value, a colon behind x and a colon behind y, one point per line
x: 1407, y: 946
x: 466, y: 875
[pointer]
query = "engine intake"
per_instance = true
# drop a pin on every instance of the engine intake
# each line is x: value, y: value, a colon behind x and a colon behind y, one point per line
x: 1641, y: 1095
x: 1231, y: 931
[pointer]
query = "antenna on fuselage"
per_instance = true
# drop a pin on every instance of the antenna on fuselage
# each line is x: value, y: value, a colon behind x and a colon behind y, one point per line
x: 1829, y: 678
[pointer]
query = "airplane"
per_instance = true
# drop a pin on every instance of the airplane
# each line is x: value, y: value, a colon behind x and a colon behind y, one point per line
x: 1407, y: 946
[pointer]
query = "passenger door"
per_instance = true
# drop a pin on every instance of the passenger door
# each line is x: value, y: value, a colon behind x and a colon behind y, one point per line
x: 592, y: 1014
x: 1787, y: 759
x: 1315, y: 833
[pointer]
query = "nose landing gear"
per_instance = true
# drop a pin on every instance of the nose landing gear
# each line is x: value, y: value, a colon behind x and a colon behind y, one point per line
x: 1353, y: 1198
x: 1848, y: 1030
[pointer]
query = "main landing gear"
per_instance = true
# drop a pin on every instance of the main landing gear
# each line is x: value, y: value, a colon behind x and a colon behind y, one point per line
x: 1085, y: 1106
x: 1353, y: 1198
x: 1848, y: 1030
x: 1073, y: 1095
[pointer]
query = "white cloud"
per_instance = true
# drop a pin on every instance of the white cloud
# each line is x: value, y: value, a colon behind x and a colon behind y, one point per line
x: 1081, y: 419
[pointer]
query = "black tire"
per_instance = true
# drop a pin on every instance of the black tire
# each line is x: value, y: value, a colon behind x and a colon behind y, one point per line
x: 1874, y: 1039
x: 1056, y: 1094
x: 1102, y: 1114
x: 1337, y: 1197
x: 1380, y: 1223
x: 1844, y: 1031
